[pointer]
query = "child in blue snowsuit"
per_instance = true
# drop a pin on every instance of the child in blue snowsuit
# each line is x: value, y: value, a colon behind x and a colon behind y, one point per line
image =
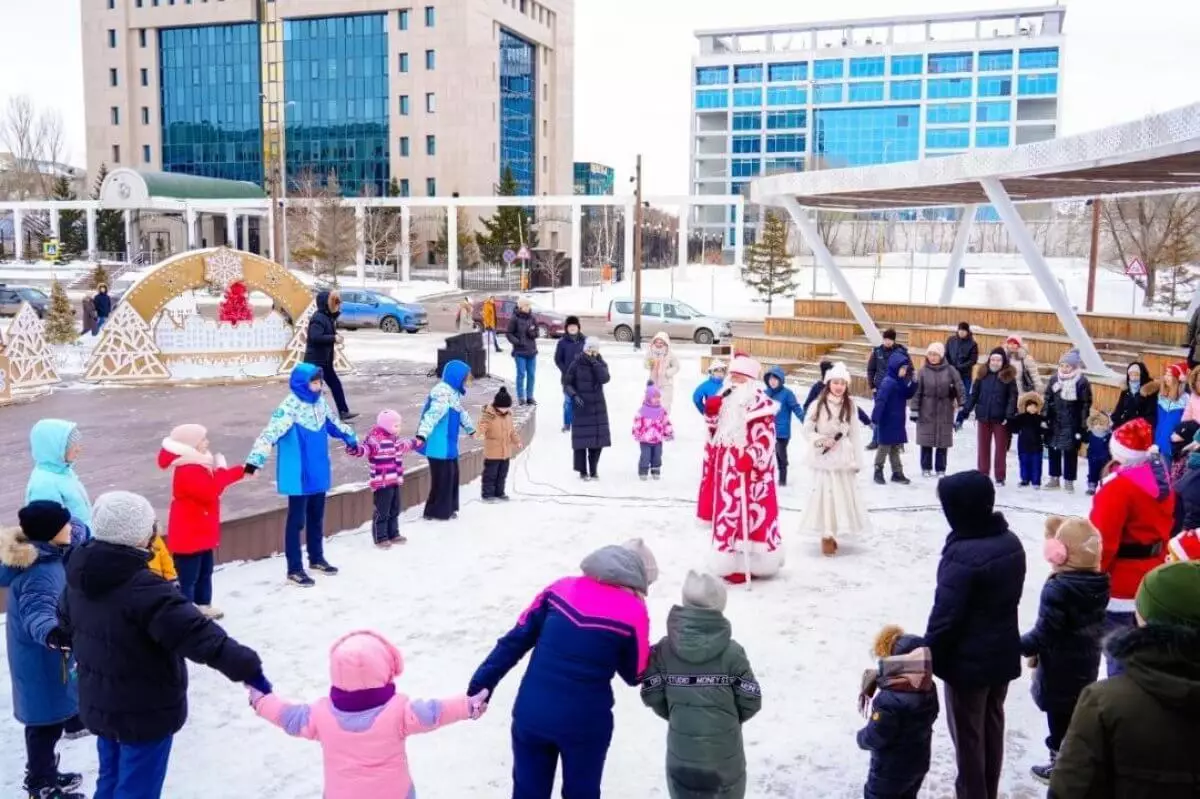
x: 300, y: 427
x: 442, y: 419
x: 711, y: 385
x: 890, y: 414
x: 789, y: 406
x: 1098, y: 454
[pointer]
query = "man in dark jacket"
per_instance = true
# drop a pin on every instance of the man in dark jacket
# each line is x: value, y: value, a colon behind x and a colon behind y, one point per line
x: 522, y: 334
x: 569, y: 347
x: 323, y: 339
x: 1133, y: 736
x: 130, y: 631
x: 1138, y: 399
x: 103, y: 305
x: 993, y: 398
x: 877, y: 370
x: 963, y: 353
x: 973, y: 630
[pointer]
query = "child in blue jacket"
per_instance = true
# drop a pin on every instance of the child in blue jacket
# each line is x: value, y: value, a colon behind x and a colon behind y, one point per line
x: 55, y: 446
x: 1099, y: 435
x: 300, y: 428
x: 441, y: 420
x: 890, y: 415
x: 45, y: 694
x: 711, y: 385
x: 789, y: 406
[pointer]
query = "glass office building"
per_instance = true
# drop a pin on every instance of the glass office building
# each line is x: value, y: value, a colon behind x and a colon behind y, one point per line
x: 518, y: 110
x: 865, y: 92
x: 593, y: 180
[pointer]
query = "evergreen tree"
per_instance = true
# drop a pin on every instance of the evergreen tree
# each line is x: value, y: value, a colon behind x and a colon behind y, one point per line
x: 99, y: 277
x: 110, y: 225
x: 60, y: 317
x: 508, y: 228
x: 468, y: 250
x: 769, y: 269
x: 72, y: 226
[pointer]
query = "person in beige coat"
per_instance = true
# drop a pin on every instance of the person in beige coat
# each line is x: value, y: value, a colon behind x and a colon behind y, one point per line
x: 500, y: 443
x: 833, y: 450
x: 1028, y: 376
x: 662, y: 365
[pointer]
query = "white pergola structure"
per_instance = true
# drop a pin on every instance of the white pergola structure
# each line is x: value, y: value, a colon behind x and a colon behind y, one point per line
x: 1156, y: 155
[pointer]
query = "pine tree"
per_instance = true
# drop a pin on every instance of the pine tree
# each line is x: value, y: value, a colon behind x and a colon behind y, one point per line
x: 769, y: 269
x: 72, y: 227
x: 235, y: 307
x: 508, y: 227
x: 60, y: 317
x: 468, y: 250
x: 99, y: 277
x: 110, y: 225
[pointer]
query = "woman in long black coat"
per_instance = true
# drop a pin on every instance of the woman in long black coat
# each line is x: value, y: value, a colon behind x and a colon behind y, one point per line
x: 584, y: 383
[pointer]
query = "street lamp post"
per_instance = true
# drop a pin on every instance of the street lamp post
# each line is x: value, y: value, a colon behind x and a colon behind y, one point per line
x: 637, y: 257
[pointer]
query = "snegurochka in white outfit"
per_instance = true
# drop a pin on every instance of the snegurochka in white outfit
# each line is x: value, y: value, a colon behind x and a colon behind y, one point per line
x: 833, y: 451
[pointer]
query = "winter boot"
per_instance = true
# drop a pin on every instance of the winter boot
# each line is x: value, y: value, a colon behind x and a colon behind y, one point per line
x: 301, y: 579
x: 399, y: 540
x: 323, y: 567
x: 1053, y: 484
x: 940, y: 475
x: 1091, y: 490
x: 63, y: 781
x: 385, y: 544
x: 55, y: 792
x: 347, y: 416
x: 829, y: 546
x: 656, y: 474
x: 999, y: 484
x: 210, y: 612
x: 566, y: 428
x: 1069, y: 486
x: 879, y: 476
x: 504, y: 498
x: 1042, y: 773
x: 873, y: 445
x: 926, y: 473
x: 899, y: 478
x: 643, y: 477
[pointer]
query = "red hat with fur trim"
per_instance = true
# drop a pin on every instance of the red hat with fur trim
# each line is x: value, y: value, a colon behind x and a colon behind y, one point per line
x: 1179, y: 371
x: 746, y: 366
x: 1185, y: 546
x: 1133, y: 442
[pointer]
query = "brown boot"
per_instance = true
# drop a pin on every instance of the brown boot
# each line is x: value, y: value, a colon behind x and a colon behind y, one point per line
x: 829, y: 546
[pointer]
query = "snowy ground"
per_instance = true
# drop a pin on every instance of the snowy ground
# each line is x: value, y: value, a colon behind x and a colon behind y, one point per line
x: 455, y: 587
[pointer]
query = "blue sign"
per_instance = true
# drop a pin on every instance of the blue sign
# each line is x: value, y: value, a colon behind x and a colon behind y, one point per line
x: 509, y: 256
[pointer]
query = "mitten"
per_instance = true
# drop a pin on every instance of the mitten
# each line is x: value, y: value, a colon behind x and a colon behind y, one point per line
x: 712, y: 405
x: 477, y: 704
x: 250, y: 469
x: 578, y: 400
x: 58, y: 639
x: 261, y: 684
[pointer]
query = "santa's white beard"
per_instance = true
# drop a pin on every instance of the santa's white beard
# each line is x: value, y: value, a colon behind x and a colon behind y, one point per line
x: 731, y: 423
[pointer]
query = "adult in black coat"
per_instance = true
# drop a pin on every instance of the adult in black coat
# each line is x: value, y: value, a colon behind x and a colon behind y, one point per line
x: 103, y: 304
x: 973, y: 630
x: 962, y: 352
x: 993, y: 399
x: 569, y: 347
x: 522, y: 333
x: 584, y: 384
x: 1138, y: 400
x: 322, y: 342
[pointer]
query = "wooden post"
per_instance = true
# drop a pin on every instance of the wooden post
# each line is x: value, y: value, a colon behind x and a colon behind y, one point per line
x: 1093, y: 256
x: 637, y: 258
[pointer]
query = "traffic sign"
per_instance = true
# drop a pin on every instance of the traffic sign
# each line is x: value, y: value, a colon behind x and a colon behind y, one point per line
x: 509, y: 256
x: 50, y: 249
x: 523, y: 254
x: 1136, y: 268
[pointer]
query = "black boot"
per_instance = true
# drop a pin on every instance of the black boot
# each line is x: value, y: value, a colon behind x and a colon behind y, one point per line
x: 64, y: 782
x: 1043, y: 773
x: 879, y: 476
x: 898, y: 477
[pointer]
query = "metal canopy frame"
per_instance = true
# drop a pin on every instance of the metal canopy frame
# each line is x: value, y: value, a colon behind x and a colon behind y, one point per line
x: 1155, y: 155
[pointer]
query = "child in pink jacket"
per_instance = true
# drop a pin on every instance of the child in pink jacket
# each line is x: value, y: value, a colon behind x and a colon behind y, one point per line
x: 651, y: 427
x: 363, y: 722
x: 384, y: 450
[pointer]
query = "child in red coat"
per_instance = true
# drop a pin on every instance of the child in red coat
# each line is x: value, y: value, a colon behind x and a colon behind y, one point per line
x: 194, y: 523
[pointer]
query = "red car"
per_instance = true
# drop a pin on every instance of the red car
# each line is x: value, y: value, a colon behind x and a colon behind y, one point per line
x: 550, y: 324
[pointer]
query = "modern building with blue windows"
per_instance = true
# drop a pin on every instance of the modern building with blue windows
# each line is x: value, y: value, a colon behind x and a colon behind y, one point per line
x: 852, y: 93
x: 594, y: 180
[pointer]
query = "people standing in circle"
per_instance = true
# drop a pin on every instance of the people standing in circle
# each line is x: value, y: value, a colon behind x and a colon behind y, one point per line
x: 1027, y: 376
x: 789, y: 406
x: 1066, y: 409
x: 994, y: 401
x: 877, y: 371
x: 487, y: 315
x: 442, y: 417
x: 891, y: 398
x: 464, y: 320
x: 962, y: 353
x: 711, y: 386
x: 1029, y: 428
x: 939, y: 394
x: 320, y: 349
x: 663, y: 365
x: 1139, y: 398
x: 522, y: 335
x: 584, y: 383
x: 1172, y: 402
x: 1099, y: 435
x: 568, y: 348
x: 832, y: 442
x: 102, y: 302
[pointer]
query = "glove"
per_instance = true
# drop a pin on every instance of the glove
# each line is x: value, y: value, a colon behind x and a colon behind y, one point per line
x: 250, y: 469
x: 578, y: 400
x: 261, y: 684
x: 477, y: 704
x: 59, y: 640
x: 712, y: 405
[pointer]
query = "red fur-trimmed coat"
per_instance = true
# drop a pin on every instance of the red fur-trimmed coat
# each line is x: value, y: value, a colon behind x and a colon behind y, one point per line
x: 194, y: 523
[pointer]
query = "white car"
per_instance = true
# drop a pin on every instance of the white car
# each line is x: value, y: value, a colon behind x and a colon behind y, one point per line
x: 678, y: 319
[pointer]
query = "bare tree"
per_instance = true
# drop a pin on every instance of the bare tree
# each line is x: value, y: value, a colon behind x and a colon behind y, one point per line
x: 381, y: 233
x: 1162, y: 231
x: 327, y: 231
x: 36, y: 142
x: 551, y: 263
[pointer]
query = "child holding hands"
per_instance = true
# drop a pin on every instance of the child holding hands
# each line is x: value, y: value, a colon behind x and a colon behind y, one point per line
x: 384, y: 450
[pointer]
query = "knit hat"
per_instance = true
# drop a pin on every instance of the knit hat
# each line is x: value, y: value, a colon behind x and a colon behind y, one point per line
x: 652, y: 392
x: 503, y: 399
x: 964, y: 326
x: 1014, y: 339
x: 717, y: 365
x: 1072, y: 359
x: 837, y: 372
x: 638, y: 547
x: 1072, y: 544
x: 1133, y: 442
x: 572, y: 320
x: 1171, y: 595
x: 1185, y: 546
x: 591, y: 344
x: 745, y: 366
x: 123, y: 518
x: 389, y: 420
x: 936, y: 348
x: 41, y: 520
x: 189, y: 435
x: 703, y: 591
x: 362, y: 660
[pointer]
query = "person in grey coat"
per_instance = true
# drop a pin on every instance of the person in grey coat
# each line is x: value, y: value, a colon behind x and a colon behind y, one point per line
x: 1065, y: 411
x: 939, y: 395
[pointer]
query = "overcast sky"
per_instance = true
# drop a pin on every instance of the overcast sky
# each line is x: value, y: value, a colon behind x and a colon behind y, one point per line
x: 1123, y: 60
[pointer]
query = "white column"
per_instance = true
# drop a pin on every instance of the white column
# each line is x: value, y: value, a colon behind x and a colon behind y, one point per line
x: 406, y: 243
x: 246, y: 233
x: 576, y: 244
x: 18, y: 234
x: 452, y: 245
x: 189, y: 217
x: 270, y: 223
x: 55, y: 224
x: 130, y: 247
x: 630, y: 221
x: 91, y: 232
x: 1074, y: 329
x: 961, y: 238
x: 739, y: 238
x: 231, y: 228
x: 812, y: 236
x: 360, y: 243
x: 681, y: 240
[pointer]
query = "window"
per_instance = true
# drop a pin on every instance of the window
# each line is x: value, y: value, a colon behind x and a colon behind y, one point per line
x: 145, y: 76
x: 747, y: 120
x: 145, y: 115
x: 995, y: 87
x: 712, y: 98
x: 404, y: 190
x: 786, y: 143
x: 992, y: 137
x: 824, y: 69
x: 430, y: 103
x: 746, y: 167
x: 142, y: 37
x: 114, y: 115
x: 948, y: 87
x: 748, y: 73
x: 139, y: 3
x: 431, y: 145
x: 996, y: 61
x: 791, y: 71
x: 712, y: 76
x: 116, y: 153
x: 787, y: 95
x: 112, y: 77
x: 431, y: 187
x: 430, y: 20
x: 776, y: 165
x: 993, y: 112
x: 404, y: 147
x: 866, y: 67
x: 145, y: 153
x: 944, y: 138
x: 404, y: 105
x: 403, y: 61
x: 747, y: 97
x: 112, y: 4
x: 940, y: 63
x: 402, y: 18
x: 871, y: 92
x: 782, y: 120
x: 906, y: 90
x: 828, y: 93
x: 1038, y: 84
x: 112, y: 38
x: 948, y: 114
x: 1039, y: 58
x: 747, y: 144
x: 430, y: 59
x: 906, y: 64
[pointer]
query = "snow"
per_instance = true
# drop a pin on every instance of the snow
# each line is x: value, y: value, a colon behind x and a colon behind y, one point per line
x: 446, y: 596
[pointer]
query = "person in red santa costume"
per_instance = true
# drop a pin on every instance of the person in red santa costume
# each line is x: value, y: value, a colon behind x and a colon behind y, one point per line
x: 705, y: 501
x: 1134, y: 510
x: 745, y: 510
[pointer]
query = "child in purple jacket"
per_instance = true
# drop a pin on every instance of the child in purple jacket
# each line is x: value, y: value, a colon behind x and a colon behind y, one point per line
x: 385, y: 450
x: 651, y: 427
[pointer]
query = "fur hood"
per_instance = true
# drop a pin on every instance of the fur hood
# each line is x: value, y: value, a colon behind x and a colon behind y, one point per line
x: 16, y: 551
x: 174, y: 454
x: 1164, y: 660
x: 1149, y: 389
x: 1007, y: 374
x: 1028, y: 397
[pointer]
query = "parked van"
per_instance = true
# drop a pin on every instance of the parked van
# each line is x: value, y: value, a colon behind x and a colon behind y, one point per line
x: 678, y: 319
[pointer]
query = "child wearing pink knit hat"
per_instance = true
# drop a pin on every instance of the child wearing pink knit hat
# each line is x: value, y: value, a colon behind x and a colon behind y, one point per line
x: 384, y: 450
x: 363, y: 723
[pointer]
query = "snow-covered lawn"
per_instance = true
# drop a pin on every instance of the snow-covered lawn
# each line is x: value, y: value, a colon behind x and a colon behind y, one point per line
x: 446, y: 596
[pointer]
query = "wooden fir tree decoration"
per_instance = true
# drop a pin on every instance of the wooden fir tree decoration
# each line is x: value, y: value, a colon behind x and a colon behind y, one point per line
x: 31, y: 360
x: 126, y: 350
x: 299, y: 342
x: 5, y: 381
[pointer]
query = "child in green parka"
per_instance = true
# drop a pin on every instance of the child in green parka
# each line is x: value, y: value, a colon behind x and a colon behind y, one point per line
x: 699, y: 680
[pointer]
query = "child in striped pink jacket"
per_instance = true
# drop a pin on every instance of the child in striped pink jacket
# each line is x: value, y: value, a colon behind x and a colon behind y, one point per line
x: 651, y: 427
x: 385, y: 450
x: 363, y: 723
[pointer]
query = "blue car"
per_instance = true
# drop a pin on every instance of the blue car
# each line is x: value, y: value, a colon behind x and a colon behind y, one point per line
x: 366, y: 308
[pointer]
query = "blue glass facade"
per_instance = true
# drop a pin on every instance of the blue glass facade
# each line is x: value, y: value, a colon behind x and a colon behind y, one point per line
x: 783, y: 73
x: 747, y: 120
x: 860, y: 136
x: 336, y: 73
x: 1038, y: 84
x: 712, y: 76
x: 209, y: 79
x: 518, y: 110
x: 996, y: 61
x: 866, y: 92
